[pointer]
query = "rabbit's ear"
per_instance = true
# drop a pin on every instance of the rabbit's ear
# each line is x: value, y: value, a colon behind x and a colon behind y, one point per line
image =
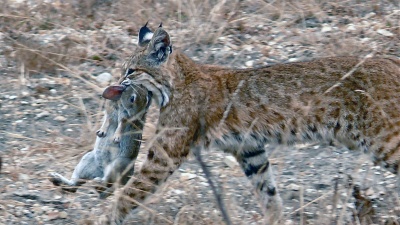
x: 113, y: 92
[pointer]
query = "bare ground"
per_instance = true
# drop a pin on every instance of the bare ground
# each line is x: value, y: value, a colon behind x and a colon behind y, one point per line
x: 52, y: 55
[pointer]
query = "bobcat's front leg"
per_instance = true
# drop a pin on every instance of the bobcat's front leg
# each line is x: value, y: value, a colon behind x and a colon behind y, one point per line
x: 164, y: 157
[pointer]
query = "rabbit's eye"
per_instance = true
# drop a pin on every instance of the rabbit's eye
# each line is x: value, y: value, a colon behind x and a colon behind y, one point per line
x: 133, y: 98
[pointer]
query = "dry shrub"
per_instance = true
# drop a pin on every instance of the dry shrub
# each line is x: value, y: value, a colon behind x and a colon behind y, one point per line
x: 39, y: 56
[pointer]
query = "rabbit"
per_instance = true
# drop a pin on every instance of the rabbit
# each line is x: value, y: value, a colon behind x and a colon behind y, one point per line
x: 113, y: 156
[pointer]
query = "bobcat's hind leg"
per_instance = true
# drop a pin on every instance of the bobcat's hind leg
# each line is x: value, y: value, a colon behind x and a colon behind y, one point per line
x: 256, y: 166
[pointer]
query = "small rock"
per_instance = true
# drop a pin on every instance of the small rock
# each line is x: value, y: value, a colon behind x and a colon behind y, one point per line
x: 18, y: 213
x: 369, y: 192
x: 45, y: 208
x: 289, y: 222
x: 351, y: 27
x: 53, y: 91
x: 60, y: 118
x: 57, y: 197
x: 205, y: 184
x: 63, y: 215
x: 104, y: 78
x: 37, y: 210
x: 179, y: 192
x: 389, y: 176
x: 53, y: 215
x: 249, y: 63
x: 309, y: 190
x: 326, y: 28
x: 42, y: 114
x: 23, y: 177
x: 369, y: 15
x: 385, y: 33
x: 293, y: 187
x: 25, y: 93
x: 230, y: 161
x: 391, y: 186
x: 187, y: 176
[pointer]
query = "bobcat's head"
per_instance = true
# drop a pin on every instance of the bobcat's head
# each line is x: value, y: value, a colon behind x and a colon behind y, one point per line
x: 147, y: 65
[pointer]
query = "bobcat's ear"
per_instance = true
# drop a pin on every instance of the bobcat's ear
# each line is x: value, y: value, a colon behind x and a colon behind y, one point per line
x: 113, y: 92
x: 160, y: 46
x: 145, y: 35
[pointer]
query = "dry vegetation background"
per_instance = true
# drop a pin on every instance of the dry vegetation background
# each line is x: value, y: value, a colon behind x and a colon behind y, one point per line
x: 57, y: 56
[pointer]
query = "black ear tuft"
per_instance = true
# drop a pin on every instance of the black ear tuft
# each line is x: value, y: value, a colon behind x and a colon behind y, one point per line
x: 145, y: 35
x: 160, y: 25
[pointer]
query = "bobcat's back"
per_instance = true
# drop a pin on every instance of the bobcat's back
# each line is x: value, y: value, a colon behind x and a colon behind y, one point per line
x: 346, y: 98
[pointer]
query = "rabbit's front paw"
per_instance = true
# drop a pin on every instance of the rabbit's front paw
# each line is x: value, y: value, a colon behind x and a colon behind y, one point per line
x: 117, y: 138
x: 100, y: 133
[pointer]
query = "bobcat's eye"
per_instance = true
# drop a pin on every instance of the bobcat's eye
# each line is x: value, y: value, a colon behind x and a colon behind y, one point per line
x: 133, y: 98
x: 129, y: 72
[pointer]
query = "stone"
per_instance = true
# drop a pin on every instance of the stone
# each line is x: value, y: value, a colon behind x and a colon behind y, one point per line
x: 60, y: 118
x: 104, y: 78
x: 249, y: 63
x: 351, y: 27
x: 231, y: 161
x: 23, y: 177
x: 53, y: 215
x: 384, y: 32
x: 42, y: 114
x: 63, y: 215
x: 326, y: 28
x: 293, y: 187
x: 187, y: 176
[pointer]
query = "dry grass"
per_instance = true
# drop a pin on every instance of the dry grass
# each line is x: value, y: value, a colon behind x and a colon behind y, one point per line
x: 66, y: 43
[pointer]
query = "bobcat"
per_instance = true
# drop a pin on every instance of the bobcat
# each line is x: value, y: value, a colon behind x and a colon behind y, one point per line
x: 108, y: 161
x: 351, y: 100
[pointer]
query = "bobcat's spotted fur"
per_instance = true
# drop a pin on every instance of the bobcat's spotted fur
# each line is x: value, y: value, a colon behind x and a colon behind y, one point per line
x: 351, y: 100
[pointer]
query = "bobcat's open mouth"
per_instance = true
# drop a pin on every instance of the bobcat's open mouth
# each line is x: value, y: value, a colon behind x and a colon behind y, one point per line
x: 160, y: 92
